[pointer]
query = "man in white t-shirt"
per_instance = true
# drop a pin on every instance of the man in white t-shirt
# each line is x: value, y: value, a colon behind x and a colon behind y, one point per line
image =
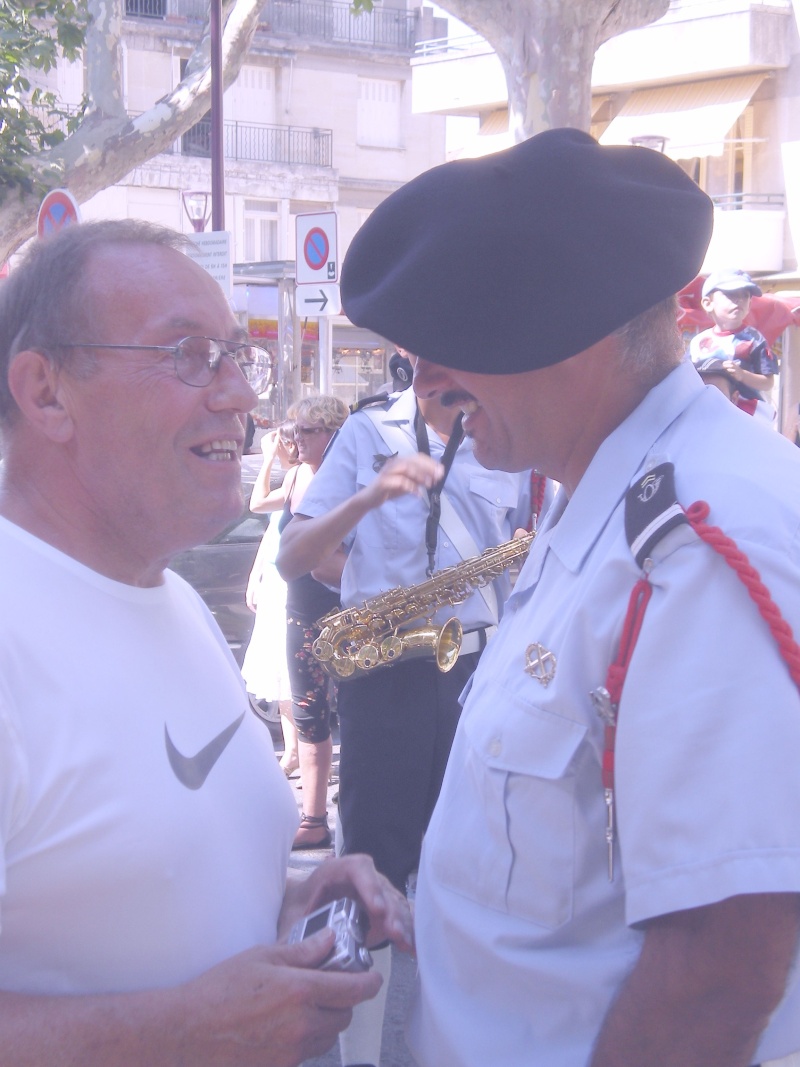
x: 145, y: 826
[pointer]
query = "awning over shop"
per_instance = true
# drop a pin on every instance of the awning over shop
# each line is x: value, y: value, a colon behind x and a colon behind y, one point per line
x: 694, y: 119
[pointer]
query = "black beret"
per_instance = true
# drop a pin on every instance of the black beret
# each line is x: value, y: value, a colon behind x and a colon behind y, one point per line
x: 523, y: 258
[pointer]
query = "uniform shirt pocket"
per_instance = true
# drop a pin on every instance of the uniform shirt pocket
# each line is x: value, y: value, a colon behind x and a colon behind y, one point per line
x: 379, y: 528
x: 501, y: 494
x: 514, y: 850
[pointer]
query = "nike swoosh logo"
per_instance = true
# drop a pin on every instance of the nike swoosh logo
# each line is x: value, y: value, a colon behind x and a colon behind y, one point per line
x: 192, y: 771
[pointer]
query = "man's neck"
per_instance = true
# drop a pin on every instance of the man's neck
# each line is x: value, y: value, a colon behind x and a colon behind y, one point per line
x: 440, y: 419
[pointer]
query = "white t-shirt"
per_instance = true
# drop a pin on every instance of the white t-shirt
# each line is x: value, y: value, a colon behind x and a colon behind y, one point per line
x: 145, y: 826
x: 523, y: 942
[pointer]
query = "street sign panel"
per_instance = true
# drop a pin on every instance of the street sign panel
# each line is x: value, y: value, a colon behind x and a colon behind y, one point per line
x: 58, y: 210
x: 316, y: 300
x: 317, y: 248
x: 212, y: 251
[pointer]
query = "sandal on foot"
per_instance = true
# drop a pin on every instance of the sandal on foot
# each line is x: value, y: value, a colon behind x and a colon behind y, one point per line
x: 312, y: 833
x: 291, y: 769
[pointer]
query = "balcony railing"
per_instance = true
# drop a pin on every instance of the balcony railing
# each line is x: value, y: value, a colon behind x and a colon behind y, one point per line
x: 146, y: 9
x: 324, y: 20
x: 330, y: 20
x: 750, y: 201
x: 263, y: 144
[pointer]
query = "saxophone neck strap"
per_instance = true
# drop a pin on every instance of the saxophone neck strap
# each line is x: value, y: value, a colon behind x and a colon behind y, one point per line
x: 435, y: 492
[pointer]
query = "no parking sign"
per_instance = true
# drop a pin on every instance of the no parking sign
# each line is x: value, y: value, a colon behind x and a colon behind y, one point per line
x: 58, y: 210
x: 317, y: 251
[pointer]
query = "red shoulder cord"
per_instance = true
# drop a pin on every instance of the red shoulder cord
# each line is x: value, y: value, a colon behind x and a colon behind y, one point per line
x: 607, y: 700
x: 538, y: 486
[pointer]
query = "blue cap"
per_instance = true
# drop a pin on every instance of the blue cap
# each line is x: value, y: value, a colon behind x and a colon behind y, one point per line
x: 729, y: 281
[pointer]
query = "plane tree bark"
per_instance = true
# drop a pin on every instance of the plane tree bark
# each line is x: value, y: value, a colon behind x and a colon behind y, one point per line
x: 107, y: 143
x: 547, y: 50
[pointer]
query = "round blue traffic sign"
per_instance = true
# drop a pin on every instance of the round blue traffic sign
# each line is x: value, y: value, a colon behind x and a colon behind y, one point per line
x: 316, y: 248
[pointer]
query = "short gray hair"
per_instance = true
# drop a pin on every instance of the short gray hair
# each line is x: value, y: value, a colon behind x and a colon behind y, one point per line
x: 651, y: 343
x: 42, y: 301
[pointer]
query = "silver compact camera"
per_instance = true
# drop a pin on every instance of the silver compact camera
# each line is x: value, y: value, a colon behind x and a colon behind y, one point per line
x: 349, y: 923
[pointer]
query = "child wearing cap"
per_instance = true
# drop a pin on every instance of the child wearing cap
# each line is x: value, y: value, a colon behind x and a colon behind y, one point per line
x: 743, y: 350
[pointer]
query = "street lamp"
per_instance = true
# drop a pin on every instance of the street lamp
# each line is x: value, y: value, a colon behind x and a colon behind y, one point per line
x: 196, y: 206
x: 654, y: 141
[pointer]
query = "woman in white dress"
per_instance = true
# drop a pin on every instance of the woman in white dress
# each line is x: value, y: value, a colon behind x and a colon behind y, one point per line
x: 264, y: 668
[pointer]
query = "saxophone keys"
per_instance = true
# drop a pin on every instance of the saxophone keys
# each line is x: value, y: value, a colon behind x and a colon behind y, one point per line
x: 368, y: 657
x: 391, y: 649
x: 322, y: 650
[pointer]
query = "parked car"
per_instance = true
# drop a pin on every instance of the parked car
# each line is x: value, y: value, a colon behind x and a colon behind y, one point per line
x: 219, y: 569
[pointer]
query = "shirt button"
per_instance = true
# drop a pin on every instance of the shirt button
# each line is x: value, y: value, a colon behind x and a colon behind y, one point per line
x: 495, y: 747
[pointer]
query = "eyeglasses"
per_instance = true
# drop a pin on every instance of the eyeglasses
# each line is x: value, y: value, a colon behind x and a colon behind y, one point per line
x: 308, y: 431
x: 197, y: 359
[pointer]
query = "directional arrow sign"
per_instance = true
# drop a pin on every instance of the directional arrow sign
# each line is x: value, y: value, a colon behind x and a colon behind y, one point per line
x: 316, y: 300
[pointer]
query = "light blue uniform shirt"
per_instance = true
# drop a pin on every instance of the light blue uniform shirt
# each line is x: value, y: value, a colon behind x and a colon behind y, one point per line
x: 387, y: 547
x: 523, y: 942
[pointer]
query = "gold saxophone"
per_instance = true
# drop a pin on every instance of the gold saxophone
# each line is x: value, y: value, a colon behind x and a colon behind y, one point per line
x: 355, y: 641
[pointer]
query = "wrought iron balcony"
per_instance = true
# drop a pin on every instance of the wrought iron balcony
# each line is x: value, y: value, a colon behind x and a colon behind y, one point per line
x: 146, y: 9
x: 392, y: 29
x: 263, y: 144
x: 330, y: 20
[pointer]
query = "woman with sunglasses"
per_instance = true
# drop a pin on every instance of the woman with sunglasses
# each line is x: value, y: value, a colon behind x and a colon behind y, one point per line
x: 316, y: 419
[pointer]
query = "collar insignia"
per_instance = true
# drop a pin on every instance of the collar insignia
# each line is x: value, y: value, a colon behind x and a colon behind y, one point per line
x: 379, y: 460
x: 540, y: 663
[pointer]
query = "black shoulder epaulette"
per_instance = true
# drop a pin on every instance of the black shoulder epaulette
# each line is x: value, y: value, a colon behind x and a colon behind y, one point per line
x: 357, y: 405
x: 651, y: 510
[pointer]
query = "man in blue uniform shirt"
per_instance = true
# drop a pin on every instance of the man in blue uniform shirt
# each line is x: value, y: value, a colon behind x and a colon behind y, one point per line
x: 397, y: 722
x: 611, y: 874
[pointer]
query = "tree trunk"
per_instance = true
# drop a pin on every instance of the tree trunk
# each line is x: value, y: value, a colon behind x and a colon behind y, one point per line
x: 547, y: 51
x: 108, y: 144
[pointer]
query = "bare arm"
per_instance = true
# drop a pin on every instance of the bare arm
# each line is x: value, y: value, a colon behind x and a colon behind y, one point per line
x: 329, y: 572
x: 256, y: 571
x: 306, y: 542
x: 262, y: 498
x: 266, y: 1007
x: 704, y: 986
x: 762, y: 382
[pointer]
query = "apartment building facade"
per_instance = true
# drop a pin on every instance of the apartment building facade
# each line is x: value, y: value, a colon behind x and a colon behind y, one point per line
x: 715, y: 84
x: 319, y: 119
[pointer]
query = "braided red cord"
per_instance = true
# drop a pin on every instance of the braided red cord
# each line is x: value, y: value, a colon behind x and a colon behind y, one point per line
x: 697, y: 514
x: 637, y: 604
x: 538, y: 486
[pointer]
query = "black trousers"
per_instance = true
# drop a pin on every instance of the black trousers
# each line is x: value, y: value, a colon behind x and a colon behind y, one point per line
x: 396, y: 727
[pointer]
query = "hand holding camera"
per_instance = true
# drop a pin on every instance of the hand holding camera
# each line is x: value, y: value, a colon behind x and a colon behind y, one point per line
x: 349, y: 924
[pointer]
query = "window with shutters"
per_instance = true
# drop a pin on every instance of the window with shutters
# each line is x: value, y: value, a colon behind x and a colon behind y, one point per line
x: 260, y: 223
x: 378, y: 113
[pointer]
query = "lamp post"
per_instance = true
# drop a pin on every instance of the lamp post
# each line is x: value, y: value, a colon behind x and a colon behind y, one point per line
x: 654, y: 141
x: 195, y: 204
x: 217, y: 129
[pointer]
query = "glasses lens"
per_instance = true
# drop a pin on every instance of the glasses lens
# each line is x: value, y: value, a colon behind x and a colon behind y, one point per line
x: 196, y: 359
x: 255, y: 365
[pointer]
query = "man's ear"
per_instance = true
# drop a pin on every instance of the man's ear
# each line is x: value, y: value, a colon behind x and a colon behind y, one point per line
x: 35, y: 384
x: 707, y: 303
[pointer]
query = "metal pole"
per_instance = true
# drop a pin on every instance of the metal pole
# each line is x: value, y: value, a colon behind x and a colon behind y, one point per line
x: 217, y: 129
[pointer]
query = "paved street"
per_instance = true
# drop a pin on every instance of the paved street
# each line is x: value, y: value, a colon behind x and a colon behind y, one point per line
x: 394, y: 1052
